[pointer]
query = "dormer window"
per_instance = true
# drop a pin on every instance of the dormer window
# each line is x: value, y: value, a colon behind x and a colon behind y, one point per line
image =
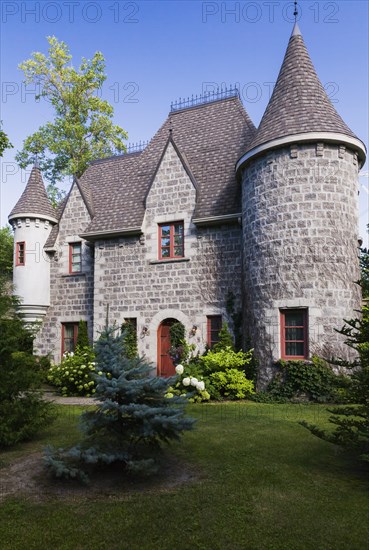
x: 171, y: 240
x: 75, y: 257
x: 20, y: 253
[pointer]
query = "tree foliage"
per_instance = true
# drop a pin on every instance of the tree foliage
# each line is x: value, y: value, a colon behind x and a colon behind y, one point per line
x: 129, y: 331
x: 364, y: 264
x: 22, y: 411
x: 6, y: 252
x: 4, y: 142
x: 131, y: 421
x: 352, y: 421
x: 82, y: 337
x: 225, y: 339
x: 82, y: 129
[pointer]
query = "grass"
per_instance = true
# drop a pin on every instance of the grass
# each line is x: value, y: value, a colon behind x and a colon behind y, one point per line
x: 264, y: 483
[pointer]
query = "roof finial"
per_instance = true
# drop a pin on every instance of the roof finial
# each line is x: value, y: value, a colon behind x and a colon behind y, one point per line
x: 296, y: 30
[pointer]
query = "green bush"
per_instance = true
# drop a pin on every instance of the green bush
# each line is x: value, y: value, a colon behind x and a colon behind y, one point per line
x: 23, y: 412
x: 74, y: 374
x: 82, y: 338
x: 308, y: 380
x: 225, y: 359
x: 231, y: 384
x: 191, y: 383
x: 225, y: 339
x: 129, y: 332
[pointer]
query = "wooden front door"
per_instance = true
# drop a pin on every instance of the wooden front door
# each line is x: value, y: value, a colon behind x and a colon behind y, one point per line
x: 165, y: 364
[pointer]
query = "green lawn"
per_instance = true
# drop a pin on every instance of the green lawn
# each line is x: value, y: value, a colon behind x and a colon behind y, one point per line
x: 263, y: 482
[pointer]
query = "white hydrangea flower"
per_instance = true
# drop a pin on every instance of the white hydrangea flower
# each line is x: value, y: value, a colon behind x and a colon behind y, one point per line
x: 186, y: 381
x: 194, y: 382
x: 179, y: 369
x: 200, y: 385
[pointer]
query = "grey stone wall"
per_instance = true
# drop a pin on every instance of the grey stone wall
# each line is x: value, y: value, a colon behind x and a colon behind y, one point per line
x: 300, y: 246
x: 134, y: 283
x: 71, y: 296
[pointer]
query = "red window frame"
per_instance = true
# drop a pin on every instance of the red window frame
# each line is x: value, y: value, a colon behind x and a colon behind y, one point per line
x: 176, y: 229
x: 75, y: 258
x: 20, y: 253
x: 214, y: 325
x: 72, y: 339
x: 286, y: 325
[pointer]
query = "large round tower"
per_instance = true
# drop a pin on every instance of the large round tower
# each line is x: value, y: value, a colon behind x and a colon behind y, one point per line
x: 300, y: 220
x: 32, y: 219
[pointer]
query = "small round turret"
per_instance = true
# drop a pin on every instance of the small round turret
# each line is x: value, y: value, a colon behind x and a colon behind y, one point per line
x: 32, y: 219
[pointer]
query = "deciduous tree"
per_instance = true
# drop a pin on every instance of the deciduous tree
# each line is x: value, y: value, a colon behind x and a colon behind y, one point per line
x: 82, y: 129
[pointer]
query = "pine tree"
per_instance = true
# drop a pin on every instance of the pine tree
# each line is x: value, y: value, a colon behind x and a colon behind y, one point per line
x: 82, y: 338
x: 132, y: 420
x: 225, y: 339
x: 352, y: 421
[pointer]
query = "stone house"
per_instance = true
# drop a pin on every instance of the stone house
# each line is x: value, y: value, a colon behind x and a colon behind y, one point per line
x: 213, y: 221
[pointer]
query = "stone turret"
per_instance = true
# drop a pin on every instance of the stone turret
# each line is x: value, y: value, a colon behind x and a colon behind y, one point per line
x: 32, y: 219
x: 299, y: 213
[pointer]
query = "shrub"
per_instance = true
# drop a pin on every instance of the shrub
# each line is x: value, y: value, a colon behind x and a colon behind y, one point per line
x: 129, y: 331
x: 191, y: 383
x: 131, y: 421
x: 231, y: 384
x: 352, y: 421
x: 225, y: 359
x: 23, y: 412
x: 311, y: 380
x: 180, y: 350
x: 82, y: 338
x: 225, y: 339
x: 74, y: 375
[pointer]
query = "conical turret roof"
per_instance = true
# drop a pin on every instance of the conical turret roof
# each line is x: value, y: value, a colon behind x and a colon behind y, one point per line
x: 299, y: 104
x: 34, y: 200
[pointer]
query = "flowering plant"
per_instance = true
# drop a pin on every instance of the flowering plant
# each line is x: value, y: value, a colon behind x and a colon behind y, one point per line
x: 73, y: 375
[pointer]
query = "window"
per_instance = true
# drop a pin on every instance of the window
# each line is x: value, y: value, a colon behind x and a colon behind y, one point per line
x: 75, y: 257
x: 69, y: 337
x: 20, y: 253
x: 214, y: 326
x: 171, y: 240
x: 294, y: 334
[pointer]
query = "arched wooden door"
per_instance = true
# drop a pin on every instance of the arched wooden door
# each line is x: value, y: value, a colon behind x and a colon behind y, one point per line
x: 165, y: 364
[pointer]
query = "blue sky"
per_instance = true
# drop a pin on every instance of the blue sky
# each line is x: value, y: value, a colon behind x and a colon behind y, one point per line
x: 158, y: 51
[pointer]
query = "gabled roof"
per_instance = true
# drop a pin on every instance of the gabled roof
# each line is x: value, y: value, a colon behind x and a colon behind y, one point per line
x: 299, y: 103
x: 210, y: 137
x: 34, y: 201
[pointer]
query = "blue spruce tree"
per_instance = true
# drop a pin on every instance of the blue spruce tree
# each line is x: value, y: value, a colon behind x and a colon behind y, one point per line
x: 131, y: 421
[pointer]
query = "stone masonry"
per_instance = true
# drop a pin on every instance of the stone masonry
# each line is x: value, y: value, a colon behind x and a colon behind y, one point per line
x: 300, y: 235
x: 134, y: 283
x: 71, y: 296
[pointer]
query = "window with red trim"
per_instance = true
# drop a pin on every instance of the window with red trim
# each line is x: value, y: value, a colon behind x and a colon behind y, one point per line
x: 75, y: 257
x: 294, y: 334
x: 69, y: 337
x: 214, y: 323
x: 171, y: 240
x: 20, y: 253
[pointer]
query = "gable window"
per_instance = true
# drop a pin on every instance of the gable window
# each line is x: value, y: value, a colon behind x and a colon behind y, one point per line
x: 75, y: 257
x: 20, y: 253
x: 294, y: 334
x: 214, y: 323
x: 171, y: 240
x: 69, y: 337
